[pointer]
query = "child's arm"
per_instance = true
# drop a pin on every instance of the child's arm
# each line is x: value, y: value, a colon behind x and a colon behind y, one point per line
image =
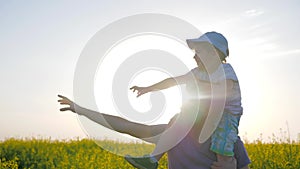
x: 164, y: 84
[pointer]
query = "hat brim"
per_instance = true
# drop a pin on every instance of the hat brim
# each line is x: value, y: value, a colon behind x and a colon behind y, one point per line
x: 196, y: 43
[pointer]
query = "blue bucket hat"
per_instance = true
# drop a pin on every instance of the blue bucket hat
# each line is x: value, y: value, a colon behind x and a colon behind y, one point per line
x: 214, y: 38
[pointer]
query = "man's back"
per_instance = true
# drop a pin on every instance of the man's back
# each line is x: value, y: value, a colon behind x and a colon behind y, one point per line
x: 190, y: 154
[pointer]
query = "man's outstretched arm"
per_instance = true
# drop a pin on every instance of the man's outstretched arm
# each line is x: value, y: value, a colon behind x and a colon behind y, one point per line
x: 144, y: 132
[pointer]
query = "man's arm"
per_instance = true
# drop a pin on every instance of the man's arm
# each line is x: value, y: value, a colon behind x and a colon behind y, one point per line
x: 144, y: 132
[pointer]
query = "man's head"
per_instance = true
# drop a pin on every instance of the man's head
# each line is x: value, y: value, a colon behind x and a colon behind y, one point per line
x: 215, y: 40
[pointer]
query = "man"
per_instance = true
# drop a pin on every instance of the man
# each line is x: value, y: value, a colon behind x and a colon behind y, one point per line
x: 188, y: 153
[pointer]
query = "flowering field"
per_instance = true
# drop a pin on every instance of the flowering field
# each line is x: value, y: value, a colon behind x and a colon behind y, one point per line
x: 85, y: 154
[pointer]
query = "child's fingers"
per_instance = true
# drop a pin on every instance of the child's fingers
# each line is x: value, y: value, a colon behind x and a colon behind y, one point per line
x: 139, y: 94
x: 135, y: 88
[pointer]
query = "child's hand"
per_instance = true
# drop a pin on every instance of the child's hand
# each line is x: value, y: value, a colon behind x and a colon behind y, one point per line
x: 65, y: 101
x: 140, y: 90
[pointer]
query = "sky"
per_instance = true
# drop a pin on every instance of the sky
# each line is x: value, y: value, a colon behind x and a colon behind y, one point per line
x: 41, y: 41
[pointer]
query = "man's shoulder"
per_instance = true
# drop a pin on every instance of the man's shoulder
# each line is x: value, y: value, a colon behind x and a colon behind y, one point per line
x: 189, y: 153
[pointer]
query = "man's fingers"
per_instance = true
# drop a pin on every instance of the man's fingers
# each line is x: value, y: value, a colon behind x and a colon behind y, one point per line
x: 62, y: 101
x: 65, y: 101
x: 65, y: 109
x: 63, y: 97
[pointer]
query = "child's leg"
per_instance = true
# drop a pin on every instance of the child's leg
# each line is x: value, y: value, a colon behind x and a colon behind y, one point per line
x: 225, y: 136
x: 224, y: 158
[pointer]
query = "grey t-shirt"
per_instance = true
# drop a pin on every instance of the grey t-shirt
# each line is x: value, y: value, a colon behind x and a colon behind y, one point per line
x: 190, y: 154
x: 233, y: 101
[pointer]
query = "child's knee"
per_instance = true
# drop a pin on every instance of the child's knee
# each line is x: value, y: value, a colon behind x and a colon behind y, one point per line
x: 224, y: 158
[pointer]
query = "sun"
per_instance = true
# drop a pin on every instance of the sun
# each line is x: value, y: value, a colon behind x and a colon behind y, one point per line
x: 175, y: 51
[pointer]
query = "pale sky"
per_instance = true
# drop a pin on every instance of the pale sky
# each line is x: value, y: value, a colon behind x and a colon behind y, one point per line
x: 40, y: 42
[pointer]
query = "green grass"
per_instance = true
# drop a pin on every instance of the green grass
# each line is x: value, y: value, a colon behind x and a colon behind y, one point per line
x: 85, y: 154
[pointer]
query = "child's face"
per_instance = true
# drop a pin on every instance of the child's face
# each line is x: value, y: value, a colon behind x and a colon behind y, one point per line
x: 206, y: 55
x: 199, y: 62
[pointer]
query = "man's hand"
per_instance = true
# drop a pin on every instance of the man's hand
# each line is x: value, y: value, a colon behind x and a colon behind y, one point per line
x: 65, y: 101
x: 140, y: 90
x: 224, y: 164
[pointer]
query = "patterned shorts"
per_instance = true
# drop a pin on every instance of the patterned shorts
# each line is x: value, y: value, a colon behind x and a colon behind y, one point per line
x: 225, y: 135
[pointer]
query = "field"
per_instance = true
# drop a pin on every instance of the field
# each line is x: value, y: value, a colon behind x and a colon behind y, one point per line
x: 85, y: 154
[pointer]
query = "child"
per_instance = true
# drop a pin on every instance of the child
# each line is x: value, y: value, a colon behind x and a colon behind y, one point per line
x: 225, y: 135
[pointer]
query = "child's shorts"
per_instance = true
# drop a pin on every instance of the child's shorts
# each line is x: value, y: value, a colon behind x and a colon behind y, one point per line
x: 225, y: 135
